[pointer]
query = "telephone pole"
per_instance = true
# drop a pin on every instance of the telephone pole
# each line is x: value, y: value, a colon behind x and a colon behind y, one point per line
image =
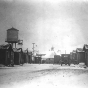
x: 33, y: 48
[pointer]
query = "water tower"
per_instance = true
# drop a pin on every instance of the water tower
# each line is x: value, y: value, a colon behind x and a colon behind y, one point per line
x: 12, y: 36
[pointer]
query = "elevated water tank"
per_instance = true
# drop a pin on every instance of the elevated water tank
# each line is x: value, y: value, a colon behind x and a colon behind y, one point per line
x: 12, y: 35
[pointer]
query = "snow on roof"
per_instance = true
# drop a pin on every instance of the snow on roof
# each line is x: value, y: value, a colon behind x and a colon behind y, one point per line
x: 5, y: 46
x: 74, y: 51
x: 16, y: 50
x: 12, y: 29
x: 85, y: 46
x: 79, y: 50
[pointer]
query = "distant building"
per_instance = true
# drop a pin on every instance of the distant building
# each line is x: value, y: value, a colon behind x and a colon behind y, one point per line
x: 57, y: 59
x: 80, y: 55
x: 49, y: 57
x: 85, y: 48
x: 18, y: 56
x: 73, y: 56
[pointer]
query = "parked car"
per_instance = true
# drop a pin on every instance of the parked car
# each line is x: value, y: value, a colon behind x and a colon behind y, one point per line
x: 65, y: 59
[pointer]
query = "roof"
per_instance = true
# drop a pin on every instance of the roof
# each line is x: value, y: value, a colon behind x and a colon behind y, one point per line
x: 41, y: 54
x: 74, y: 51
x: 79, y: 50
x: 85, y: 46
x: 7, y: 46
x: 65, y: 54
x: 12, y: 29
x: 16, y: 50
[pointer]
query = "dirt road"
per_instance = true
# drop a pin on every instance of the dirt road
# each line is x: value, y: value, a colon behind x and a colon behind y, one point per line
x: 41, y: 76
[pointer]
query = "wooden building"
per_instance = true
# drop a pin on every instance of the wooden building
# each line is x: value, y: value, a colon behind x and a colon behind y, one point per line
x: 49, y: 57
x: 73, y: 57
x: 37, y: 60
x: 30, y: 57
x: 18, y: 56
x: 6, y: 55
x: 80, y: 55
x: 50, y: 61
x: 85, y: 48
x: 27, y: 57
x: 57, y: 59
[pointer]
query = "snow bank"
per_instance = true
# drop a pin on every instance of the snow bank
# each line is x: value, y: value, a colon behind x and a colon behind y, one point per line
x: 82, y: 65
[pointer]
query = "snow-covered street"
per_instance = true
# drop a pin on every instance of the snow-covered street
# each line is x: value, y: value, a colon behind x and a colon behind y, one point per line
x: 43, y: 75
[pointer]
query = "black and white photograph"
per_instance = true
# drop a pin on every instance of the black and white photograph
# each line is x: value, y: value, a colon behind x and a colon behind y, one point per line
x: 43, y: 43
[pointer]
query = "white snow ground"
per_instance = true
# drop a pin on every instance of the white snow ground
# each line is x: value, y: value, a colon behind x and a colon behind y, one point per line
x: 43, y: 76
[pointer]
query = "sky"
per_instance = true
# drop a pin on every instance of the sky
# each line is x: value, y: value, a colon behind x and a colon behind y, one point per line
x: 62, y: 24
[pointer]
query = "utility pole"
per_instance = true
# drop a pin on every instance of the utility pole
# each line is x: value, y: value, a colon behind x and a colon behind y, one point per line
x: 33, y: 48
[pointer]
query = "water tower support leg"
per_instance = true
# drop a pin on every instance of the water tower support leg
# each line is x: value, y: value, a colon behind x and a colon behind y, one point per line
x: 12, y: 45
x: 15, y: 45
